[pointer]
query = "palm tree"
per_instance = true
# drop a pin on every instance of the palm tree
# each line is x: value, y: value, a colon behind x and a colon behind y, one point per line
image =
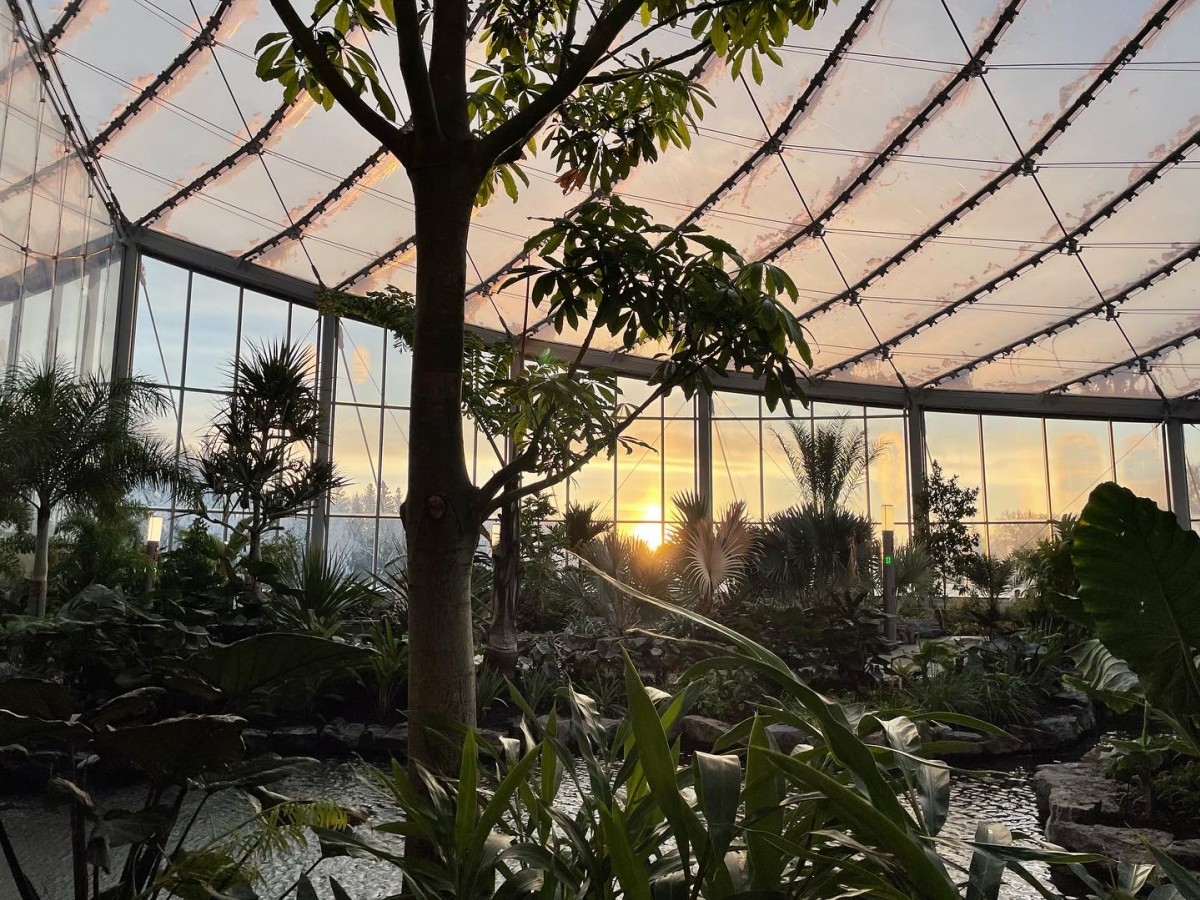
x: 259, y: 456
x: 581, y: 525
x: 811, y: 554
x: 990, y: 578
x: 827, y: 462
x: 630, y: 561
x: 712, y: 556
x: 76, y: 442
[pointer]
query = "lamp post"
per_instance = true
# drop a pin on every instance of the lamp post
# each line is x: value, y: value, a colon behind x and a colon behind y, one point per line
x: 153, y: 536
x: 889, y: 574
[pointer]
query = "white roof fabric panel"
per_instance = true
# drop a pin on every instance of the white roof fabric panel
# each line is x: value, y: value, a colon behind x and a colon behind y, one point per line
x: 964, y: 199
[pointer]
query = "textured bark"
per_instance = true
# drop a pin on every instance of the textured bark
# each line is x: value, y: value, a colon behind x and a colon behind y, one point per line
x: 501, y: 652
x: 440, y: 519
x: 41, y: 563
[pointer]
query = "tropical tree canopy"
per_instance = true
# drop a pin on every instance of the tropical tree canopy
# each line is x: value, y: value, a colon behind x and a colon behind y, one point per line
x: 76, y: 442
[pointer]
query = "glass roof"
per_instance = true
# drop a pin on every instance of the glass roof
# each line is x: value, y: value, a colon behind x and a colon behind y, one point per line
x: 977, y: 195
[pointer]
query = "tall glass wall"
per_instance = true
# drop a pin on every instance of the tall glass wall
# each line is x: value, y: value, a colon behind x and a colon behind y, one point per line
x: 191, y: 328
x: 750, y: 456
x: 190, y: 331
x: 1029, y: 471
x: 59, y: 263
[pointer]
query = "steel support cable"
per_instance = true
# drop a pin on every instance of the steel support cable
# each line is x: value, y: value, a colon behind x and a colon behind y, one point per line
x: 1019, y: 167
x: 250, y: 148
x: 47, y: 70
x: 1107, y: 306
x: 973, y: 69
x: 50, y: 37
x: 1066, y: 244
x: 1046, y: 197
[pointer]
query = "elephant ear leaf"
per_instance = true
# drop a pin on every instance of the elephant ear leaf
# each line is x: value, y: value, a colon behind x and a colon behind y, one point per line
x: 269, y: 660
x: 1139, y: 579
x: 174, y: 750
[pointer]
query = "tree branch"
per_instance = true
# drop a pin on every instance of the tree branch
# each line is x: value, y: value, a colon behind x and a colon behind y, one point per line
x: 413, y: 69
x: 610, y: 77
x: 585, y: 457
x: 362, y: 113
x: 516, y: 131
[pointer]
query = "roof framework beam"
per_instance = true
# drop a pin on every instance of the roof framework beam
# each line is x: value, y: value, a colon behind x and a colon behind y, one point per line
x: 298, y: 228
x: 1019, y: 166
x: 1107, y: 307
x: 811, y: 92
x: 376, y: 264
x: 1141, y: 362
x: 1068, y: 243
x: 248, y: 150
x: 205, y: 37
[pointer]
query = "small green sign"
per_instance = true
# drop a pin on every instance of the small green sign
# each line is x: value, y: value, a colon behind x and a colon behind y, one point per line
x: 887, y: 560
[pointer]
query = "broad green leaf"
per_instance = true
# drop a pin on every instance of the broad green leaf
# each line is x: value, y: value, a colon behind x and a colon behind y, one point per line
x: 267, y: 660
x: 719, y: 787
x: 764, y: 813
x: 987, y: 871
x: 1187, y: 883
x: 173, y: 750
x: 1105, y: 677
x: 1139, y: 576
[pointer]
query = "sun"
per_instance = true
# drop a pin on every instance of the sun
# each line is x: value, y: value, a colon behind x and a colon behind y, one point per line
x: 650, y: 530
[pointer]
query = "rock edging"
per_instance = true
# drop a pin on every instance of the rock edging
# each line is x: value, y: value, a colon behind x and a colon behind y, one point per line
x: 1088, y: 812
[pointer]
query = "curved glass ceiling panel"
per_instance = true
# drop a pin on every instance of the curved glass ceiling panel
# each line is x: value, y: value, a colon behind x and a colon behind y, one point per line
x: 937, y: 251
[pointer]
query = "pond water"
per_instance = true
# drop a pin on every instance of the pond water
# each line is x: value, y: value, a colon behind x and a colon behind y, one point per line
x: 40, y: 837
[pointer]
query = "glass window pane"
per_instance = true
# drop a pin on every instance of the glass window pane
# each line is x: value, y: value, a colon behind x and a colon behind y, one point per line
x: 161, y: 315
x: 353, y: 540
x: 952, y: 439
x: 264, y: 320
x: 727, y: 404
x: 394, y: 476
x: 1006, y: 538
x: 393, y: 547
x: 200, y: 409
x: 779, y: 483
x: 399, y: 375
x: 1080, y: 459
x: 1016, y: 469
x: 639, y: 474
x: 678, y: 459
x: 594, y: 484
x: 356, y: 455
x: 1141, y: 466
x: 212, y: 333
x: 360, y: 364
x: 737, y: 474
x: 888, y: 472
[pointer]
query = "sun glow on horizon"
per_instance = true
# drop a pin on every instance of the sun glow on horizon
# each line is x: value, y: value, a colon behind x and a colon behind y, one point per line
x: 650, y: 530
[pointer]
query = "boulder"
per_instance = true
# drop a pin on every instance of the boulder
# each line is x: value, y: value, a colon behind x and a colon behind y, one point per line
x: 787, y: 737
x: 297, y: 740
x: 341, y: 738
x: 562, y: 727
x: 1079, y: 792
x: 1122, y: 844
x: 1003, y: 744
x: 1054, y: 732
x: 701, y: 732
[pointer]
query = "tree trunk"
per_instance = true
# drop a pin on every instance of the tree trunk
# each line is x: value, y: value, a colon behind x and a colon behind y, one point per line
x: 501, y: 651
x: 41, y: 562
x: 440, y: 516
